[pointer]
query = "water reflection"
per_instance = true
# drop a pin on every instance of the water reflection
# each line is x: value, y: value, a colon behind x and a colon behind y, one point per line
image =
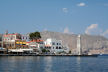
x: 78, y: 64
x: 52, y: 64
x: 48, y: 63
x: 19, y: 64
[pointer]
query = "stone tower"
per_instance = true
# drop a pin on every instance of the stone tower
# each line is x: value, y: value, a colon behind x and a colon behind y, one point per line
x: 79, y: 45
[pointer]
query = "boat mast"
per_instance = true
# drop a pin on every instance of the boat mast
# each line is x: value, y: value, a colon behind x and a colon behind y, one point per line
x: 2, y: 41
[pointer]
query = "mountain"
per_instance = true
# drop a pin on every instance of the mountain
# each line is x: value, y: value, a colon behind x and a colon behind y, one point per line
x: 89, y: 43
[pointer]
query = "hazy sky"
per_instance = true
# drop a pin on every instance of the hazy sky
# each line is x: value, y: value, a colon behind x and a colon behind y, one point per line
x: 68, y: 16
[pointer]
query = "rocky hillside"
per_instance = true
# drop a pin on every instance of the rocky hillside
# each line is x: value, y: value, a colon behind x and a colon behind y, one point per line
x: 89, y: 43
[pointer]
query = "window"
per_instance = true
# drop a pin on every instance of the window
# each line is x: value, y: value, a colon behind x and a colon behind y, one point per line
x: 57, y: 47
x: 41, y: 47
x: 57, y: 43
x: 41, y: 42
x: 49, y: 47
x: 53, y: 43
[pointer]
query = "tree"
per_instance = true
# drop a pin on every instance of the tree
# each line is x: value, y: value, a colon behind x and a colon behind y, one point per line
x: 44, y: 50
x: 34, y: 35
x: 70, y: 52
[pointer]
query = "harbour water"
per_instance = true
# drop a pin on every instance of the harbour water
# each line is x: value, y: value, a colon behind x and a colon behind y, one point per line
x: 53, y: 64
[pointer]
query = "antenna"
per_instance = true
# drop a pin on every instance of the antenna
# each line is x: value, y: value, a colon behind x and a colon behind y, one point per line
x: 6, y: 32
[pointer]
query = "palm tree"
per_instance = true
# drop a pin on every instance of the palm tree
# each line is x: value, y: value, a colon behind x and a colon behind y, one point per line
x: 35, y: 35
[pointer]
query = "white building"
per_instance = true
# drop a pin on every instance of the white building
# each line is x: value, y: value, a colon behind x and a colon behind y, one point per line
x: 25, y: 37
x: 66, y: 48
x: 54, y: 46
x: 37, y: 45
x: 21, y: 50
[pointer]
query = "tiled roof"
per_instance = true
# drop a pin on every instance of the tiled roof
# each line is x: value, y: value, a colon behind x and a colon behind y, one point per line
x: 47, y: 45
x: 9, y: 34
x: 28, y: 42
x: 38, y: 40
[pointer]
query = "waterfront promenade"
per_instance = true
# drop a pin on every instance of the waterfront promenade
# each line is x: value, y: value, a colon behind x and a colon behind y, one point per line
x: 48, y: 55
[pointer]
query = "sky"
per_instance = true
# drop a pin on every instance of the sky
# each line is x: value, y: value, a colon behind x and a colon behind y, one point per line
x: 66, y: 16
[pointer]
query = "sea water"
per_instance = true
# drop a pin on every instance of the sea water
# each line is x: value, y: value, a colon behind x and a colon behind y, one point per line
x: 53, y: 64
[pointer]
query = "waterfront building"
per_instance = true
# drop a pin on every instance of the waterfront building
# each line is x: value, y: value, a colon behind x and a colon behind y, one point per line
x: 36, y: 45
x: 20, y: 44
x: 25, y: 37
x: 66, y: 48
x: 53, y: 45
x: 14, y: 43
x: 9, y: 40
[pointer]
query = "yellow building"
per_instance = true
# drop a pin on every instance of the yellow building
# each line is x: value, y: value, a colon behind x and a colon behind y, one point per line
x: 21, y: 44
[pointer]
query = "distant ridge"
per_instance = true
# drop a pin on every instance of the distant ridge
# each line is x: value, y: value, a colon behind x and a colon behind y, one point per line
x: 90, y: 43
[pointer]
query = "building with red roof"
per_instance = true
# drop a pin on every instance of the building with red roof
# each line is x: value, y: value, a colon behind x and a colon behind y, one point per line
x: 9, y: 40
